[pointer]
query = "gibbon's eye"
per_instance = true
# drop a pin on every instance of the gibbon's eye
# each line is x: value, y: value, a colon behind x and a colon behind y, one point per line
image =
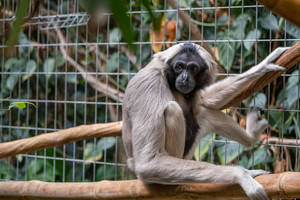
x: 178, y: 67
x: 193, y: 67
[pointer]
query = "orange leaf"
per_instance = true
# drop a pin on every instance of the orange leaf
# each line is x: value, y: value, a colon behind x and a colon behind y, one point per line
x: 157, y: 36
x: 171, y: 29
x: 216, y: 52
x: 243, y: 122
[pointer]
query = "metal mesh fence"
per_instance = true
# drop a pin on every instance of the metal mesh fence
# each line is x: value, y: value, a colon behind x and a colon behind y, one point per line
x: 64, y: 93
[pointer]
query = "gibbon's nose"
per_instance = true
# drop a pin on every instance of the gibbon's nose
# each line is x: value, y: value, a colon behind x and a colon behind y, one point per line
x: 185, y: 77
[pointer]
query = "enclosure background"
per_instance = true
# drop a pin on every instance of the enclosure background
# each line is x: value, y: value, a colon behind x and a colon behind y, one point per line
x: 66, y: 93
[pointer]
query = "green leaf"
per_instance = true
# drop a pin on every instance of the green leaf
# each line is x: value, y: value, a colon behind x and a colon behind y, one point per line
x: 92, y: 153
x: 252, y: 35
x: 119, y: 9
x: 112, y: 63
x: 59, y: 59
x: 258, y: 100
x: 269, y: 22
x: 27, y: 48
x: 229, y: 151
x: 35, y: 170
x: 236, y: 2
x: 105, y: 172
x: 289, y: 95
x: 20, y: 105
x: 72, y: 78
x: 275, y: 118
x: 7, y: 171
x: 12, y: 81
x: 260, y: 156
x: 244, y: 161
x: 203, y: 146
x: 10, y: 63
x: 155, y: 17
x: 106, y: 143
x: 226, y: 53
x: 297, y: 128
x: 49, y: 66
x: 91, y: 5
x: 22, y: 11
x: 30, y: 68
x: 115, y: 35
x: 239, y: 26
x: 292, y: 30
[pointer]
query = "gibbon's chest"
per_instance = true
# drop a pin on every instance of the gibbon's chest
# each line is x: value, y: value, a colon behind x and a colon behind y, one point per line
x: 191, y: 124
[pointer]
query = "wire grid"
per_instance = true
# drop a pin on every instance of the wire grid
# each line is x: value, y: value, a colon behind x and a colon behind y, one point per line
x: 63, y: 98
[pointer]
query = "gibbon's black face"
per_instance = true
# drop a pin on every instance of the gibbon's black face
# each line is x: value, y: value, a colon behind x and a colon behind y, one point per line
x: 187, y: 71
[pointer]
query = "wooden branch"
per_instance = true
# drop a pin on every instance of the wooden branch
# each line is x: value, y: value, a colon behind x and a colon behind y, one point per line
x: 96, y: 84
x: 84, y: 132
x: 288, y: 59
x: 59, y: 138
x: 289, y: 9
x: 285, y: 185
x: 282, y: 141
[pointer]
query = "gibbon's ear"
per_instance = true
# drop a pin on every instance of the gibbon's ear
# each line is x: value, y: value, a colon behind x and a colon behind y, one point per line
x: 169, y: 53
x: 209, y: 60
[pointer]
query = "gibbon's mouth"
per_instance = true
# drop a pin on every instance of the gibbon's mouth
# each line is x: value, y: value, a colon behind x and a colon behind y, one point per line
x: 184, y: 88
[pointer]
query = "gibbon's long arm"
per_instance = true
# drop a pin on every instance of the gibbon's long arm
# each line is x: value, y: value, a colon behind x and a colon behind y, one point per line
x: 222, y: 92
x: 224, y: 125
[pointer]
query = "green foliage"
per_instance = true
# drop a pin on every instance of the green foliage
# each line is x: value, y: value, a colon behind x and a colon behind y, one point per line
x: 46, y: 169
x: 94, y: 152
x: 204, y: 146
x: 49, y: 66
x: 119, y: 8
x: 259, y: 157
x: 258, y: 100
x: 7, y: 171
x: 269, y: 22
x: 20, y: 105
x: 229, y: 151
x: 290, y: 94
x: 251, y: 37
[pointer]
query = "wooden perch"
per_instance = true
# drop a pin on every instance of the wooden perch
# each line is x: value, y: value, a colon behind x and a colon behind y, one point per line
x: 288, y: 59
x: 285, y: 185
x: 289, y: 9
x: 282, y: 141
x: 59, y: 138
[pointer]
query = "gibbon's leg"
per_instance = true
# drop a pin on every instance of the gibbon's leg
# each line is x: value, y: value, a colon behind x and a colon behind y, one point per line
x: 175, y: 129
x: 164, y: 169
x: 224, y: 125
x: 220, y: 93
x: 154, y: 165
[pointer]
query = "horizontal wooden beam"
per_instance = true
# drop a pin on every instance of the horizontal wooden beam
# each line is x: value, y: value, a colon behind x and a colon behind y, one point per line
x: 285, y: 185
x: 59, y: 138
